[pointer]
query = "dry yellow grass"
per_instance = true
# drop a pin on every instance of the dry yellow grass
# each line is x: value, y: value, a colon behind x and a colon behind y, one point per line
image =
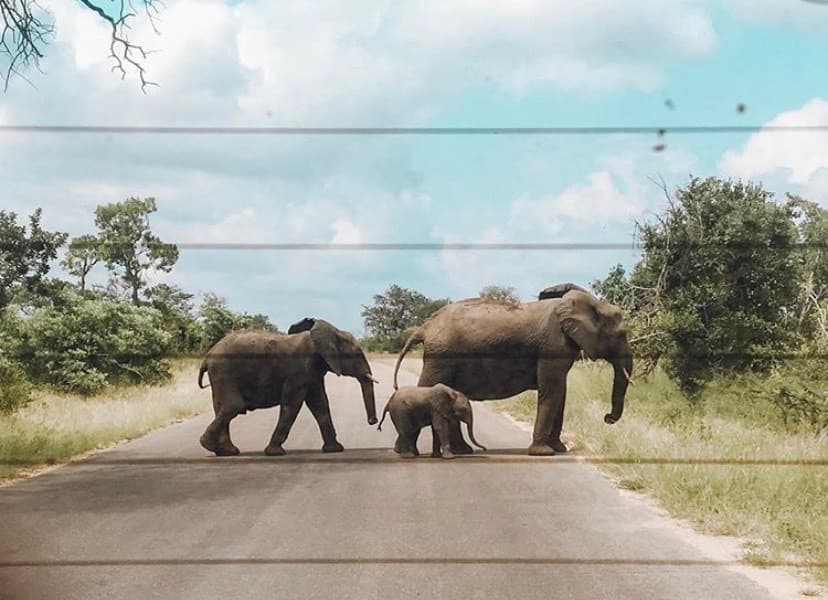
x: 55, y: 427
x: 781, y: 510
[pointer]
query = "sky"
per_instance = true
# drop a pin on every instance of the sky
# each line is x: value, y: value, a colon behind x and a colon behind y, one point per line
x: 410, y: 63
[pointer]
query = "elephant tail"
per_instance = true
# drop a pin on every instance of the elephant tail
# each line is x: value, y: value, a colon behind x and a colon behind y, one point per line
x: 416, y: 338
x: 384, y: 412
x: 201, y: 373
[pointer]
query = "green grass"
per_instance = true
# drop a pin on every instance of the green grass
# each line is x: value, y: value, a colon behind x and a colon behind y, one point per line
x: 55, y: 427
x: 781, y: 510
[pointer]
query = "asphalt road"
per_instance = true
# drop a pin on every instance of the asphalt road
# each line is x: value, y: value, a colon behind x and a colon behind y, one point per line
x: 159, y: 518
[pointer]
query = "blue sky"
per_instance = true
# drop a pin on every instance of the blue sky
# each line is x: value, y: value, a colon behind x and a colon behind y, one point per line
x: 415, y: 63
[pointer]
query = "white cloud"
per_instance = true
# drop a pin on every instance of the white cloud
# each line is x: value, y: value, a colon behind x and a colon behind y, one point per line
x: 345, y: 232
x: 809, y: 16
x: 598, y: 201
x: 797, y: 158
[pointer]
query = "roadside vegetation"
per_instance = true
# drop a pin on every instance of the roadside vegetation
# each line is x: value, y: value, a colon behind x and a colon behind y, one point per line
x: 54, y: 426
x: 781, y: 510
x: 81, y: 362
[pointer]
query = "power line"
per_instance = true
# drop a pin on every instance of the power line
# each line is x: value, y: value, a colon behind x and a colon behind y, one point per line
x: 404, y: 131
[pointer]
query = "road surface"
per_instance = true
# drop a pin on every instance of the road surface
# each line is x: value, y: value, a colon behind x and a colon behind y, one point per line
x: 159, y: 518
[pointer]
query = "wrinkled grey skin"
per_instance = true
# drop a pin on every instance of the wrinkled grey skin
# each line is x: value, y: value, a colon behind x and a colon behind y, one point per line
x: 489, y: 350
x: 260, y: 369
x: 439, y: 406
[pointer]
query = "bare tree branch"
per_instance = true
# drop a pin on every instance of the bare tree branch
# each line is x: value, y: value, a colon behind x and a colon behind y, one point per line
x: 27, y: 29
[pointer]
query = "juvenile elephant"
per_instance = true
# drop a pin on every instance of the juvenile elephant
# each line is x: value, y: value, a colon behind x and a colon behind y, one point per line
x: 489, y: 350
x: 261, y: 369
x: 413, y: 408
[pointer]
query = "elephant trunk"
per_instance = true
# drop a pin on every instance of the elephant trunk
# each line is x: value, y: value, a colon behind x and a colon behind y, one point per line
x: 622, y: 368
x: 367, y: 385
x: 470, y: 427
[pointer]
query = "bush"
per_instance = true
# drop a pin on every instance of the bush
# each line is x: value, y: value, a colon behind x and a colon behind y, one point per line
x: 800, y: 396
x: 14, y: 387
x: 89, y: 343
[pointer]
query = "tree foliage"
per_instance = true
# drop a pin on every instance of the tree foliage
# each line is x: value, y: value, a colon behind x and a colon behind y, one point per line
x: 89, y: 343
x: 500, y: 294
x: 393, y: 313
x: 717, y: 284
x: 81, y: 257
x: 127, y: 245
x: 812, y: 228
x: 25, y: 256
x: 217, y: 320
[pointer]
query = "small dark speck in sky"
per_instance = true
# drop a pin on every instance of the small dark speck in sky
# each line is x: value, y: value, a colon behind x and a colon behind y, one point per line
x: 740, y: 108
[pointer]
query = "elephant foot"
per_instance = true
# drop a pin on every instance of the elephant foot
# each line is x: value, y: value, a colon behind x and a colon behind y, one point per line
x: 558, y: 446
x: 462, y: 449
x: 274, y: 450
x: 449, y: 454
x: 333, y: 447
x: 407, y: 455
x: 211, y: 445
x: 436, y: 455
x: 540, y: 449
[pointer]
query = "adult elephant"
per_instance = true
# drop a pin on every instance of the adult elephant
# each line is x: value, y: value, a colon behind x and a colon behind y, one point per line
x: 489, y: 350
x: 261, y: 369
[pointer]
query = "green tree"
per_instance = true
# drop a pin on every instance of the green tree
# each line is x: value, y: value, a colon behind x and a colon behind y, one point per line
x: 614, y: 288
x: 394, y: 312
x: 177, y: 310
x: 256, y: 321
x: 720, y: 265
x: 128, y: 246
x: 812, y: 228
x: 81, y: 256
x: 25, y: 257
x: 500, y: 294
x: 217, y: 320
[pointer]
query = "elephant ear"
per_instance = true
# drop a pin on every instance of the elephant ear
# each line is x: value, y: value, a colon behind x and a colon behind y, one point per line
x: 326, y: 339
x: 304, y: 325
x: 580, y: 321
x: 558, y: 291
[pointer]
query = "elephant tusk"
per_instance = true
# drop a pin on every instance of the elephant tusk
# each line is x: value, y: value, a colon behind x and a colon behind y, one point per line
x: 374, y: 380
x: 628, y: 376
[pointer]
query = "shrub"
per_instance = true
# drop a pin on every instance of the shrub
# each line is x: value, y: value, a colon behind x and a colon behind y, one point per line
x: 88, y: 343
x: 800, y: 396
x: 14, y: 387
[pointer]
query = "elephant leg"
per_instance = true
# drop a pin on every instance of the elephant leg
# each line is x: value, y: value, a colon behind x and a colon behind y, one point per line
x: 216, y: 438
x: 456, y: 442
x: 551, y: 390
x: 411, y: 442
x: 441, y: 430
x: 287, y: 416
x: 317, y: 402
x: 554, y: 440
x: 435, y: 443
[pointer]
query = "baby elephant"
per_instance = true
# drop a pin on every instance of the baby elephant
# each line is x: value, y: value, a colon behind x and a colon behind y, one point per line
x: 440, y: 406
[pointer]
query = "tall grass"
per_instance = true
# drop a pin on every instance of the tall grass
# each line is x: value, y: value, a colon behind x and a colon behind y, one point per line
x: 55, y: 427
x: 781, y: 510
